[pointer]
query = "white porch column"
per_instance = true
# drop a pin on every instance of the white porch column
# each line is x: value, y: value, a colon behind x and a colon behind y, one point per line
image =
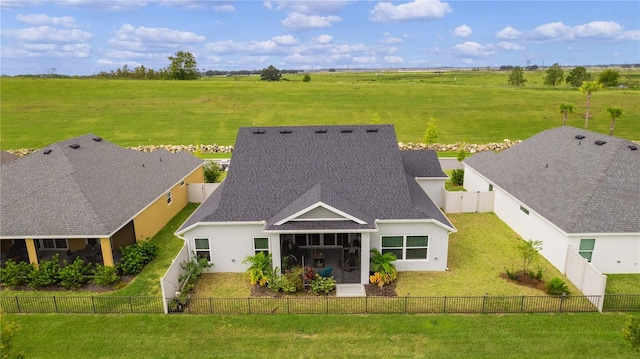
x: 365, y: 247
x: 274, y: 246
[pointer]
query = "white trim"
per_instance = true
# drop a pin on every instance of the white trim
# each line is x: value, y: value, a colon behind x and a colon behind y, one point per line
x: 425, y: 220
x: 404, y: 246
x: 321, y: 231
x: 294, y: 216
x: 253, y: 242
x: 197, y: 224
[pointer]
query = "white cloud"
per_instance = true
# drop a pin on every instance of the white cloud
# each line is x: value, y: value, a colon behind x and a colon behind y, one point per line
x: 224, y: 8
x: 472, y: 49
x: 323, y: 39
x: 411, y: 11
x: 629, y: 36
x: 462, y: 31
x: 508, y: 33
x: 252, y: 47
x: 42, y: 19
x: 595, y: 29
x: 506, y: 45
x: 299, y: 21
x: 285, y: 40
x: 42, y: 34
x: 552, y: 30
x: 307, y: 7
x: 390, y: 40
x: 393, y: 59
x: 144, y: 38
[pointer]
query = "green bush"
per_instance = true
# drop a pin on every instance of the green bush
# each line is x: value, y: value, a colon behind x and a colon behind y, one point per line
x: 104, y: 275
x: 306, y: 78
x: 47, y: 274
x: 295, y: 276
x: 135, y: 256
x: 631, y: 331
x: 73, y: 275
x: 457, y: 177
x: 322, y: 285
x: 14, y: 274
x: 212, y: 172
x: 557, y: 286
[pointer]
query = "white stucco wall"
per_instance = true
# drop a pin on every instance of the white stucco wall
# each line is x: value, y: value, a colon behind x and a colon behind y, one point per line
x: 230, y: 244
x: 433, y: 187
x: 437, y: 250
x: 613, y: 253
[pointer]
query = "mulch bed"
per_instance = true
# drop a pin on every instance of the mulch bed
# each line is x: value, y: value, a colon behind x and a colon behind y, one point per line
x: 526, y: 280
x: 388, y: 290
x: 87, y: 287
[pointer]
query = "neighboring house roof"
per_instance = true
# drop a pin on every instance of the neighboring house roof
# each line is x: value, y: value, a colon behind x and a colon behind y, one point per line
x: 90, y: 190
x: 7, y: 157
x: 567, y: 176
x: 279, y: 173
x: 422, y: 163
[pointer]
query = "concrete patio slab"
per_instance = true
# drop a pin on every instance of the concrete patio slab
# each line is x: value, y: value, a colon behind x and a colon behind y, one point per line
x: 350, y: 290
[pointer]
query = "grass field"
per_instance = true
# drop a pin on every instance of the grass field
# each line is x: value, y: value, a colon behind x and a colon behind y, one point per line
x: 587, y: 335
x: 476, y: 107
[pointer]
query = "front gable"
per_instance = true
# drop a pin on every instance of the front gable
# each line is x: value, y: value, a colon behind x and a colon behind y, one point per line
x: 320, y: 212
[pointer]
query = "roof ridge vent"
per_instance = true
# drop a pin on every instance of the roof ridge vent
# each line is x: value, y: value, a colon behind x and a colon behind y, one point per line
x: 372, y: 130
x: 285, y: 131
x: 321, y: 131
x: 600, y: 143
x: 75, y: 146
x: 579, y: 137
x: 633, y: 147
x: 346, y: 131
x: 47, y: 151
x: 258, y: 132
x: 97, y: 139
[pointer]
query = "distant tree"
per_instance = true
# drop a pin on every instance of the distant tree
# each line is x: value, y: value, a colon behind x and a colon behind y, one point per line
x: 306, y: 78
x: 566, y: 108
x: 516, y: 78
x: 212, y: 172
x: 270, y: 74
x: 589, y: 87
x: 554, y: 75
x: 332, y: 70
x: 609, y: 77
x: 431, y: 134
x: 614, y: 112
x: 183, y: 66
x: 577, y: 76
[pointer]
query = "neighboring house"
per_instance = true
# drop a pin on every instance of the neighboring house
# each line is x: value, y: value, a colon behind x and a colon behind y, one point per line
x: 568, y: 187
x: 322, y: 196
x: 86, y: 197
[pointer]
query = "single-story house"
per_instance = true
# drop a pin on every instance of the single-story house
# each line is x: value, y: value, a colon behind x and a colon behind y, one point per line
x: 86, y: 197
x: 568, y: 187
x: 322, y: 196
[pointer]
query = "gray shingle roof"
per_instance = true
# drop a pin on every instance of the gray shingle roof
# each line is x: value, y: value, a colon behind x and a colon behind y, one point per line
x: 278, y: 171
x: 92, y: 190
x: 422, y: 163
x: 6, y: 157
x: 576, y: 184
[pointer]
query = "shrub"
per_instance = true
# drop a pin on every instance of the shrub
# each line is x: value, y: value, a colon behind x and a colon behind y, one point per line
x: 46, y: 275
x: 557, y: 286
x: 14, y: 274
x: 631, y: 331
x: 457, y: 177
x: 135, y: 256
x: 104, y: 275
x: 306, y: 78
x: 380, y: 279
x: 511, y: 274
x: 295, y: 276
x: 322, y: 285
x: 259, y: 270
x: 73, y: 275
x: 383, y: 263
x: 212, y: 172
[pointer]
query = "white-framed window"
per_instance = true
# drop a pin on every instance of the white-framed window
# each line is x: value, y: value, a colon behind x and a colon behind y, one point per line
x: 169, y: 199
x: 586, y: 248
x: 261, y: 244
x: 53, y: 244
x: 406, y: 247
x: 202, y: 248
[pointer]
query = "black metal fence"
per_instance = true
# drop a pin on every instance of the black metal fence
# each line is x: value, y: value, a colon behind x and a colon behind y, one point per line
x: 322, y: 305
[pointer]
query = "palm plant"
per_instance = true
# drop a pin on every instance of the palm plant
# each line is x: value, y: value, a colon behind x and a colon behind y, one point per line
x: 614, y: 112
x: 566, y: 108
x: 258, y: 272
x: 382, y: 263
x: 588, y: 87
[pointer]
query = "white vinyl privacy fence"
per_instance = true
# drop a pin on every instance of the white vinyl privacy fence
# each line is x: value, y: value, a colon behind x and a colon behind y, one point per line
x: 198, y: 192
x: 170, y: 283
x: 465, y: 202
x: 585, y: 276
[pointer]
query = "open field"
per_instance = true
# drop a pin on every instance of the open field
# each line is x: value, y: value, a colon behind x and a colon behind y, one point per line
x: 586, y: 335
x: 476, y: 107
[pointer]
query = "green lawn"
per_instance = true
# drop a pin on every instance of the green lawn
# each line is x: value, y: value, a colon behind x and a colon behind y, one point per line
x: 586, y: 335
x: 623, y: 284
x: 475, y: 107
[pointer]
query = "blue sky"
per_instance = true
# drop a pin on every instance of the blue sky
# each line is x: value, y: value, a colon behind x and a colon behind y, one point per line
x: 84, y: 37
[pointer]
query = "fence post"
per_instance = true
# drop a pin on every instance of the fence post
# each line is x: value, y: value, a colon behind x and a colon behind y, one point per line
x: 93, y: 305
x: 405, y: 304
x: 444, y: 309
x: 484, y: 301
x: 249, y: 305
x: 55, y: 303
x: 327, y: 304
x: 562, y: 301
x: 130, y: 305
x: 366, y: 304
x: 18, y: 304
x: 210, y: 306
x: 522, y: 305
